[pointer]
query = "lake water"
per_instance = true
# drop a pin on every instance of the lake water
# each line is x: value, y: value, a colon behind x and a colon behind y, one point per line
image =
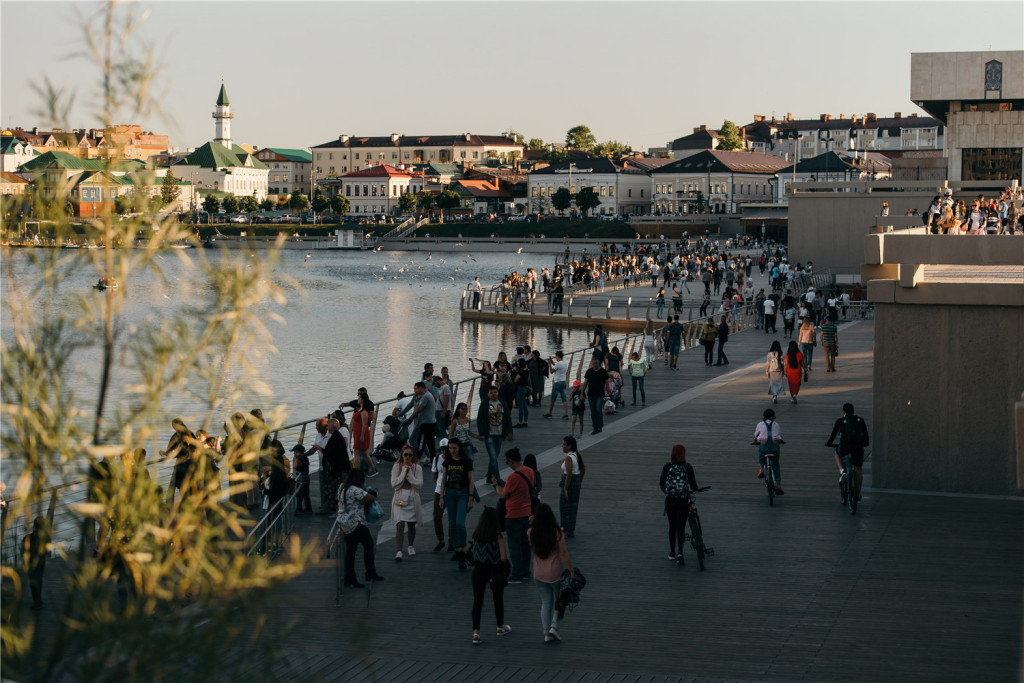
x: 358, y: 318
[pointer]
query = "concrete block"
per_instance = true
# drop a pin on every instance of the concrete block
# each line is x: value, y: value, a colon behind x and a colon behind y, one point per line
x: 873, y: 252
x: 910, y: 274
x: 882, y: 291
x: 1019, y: 429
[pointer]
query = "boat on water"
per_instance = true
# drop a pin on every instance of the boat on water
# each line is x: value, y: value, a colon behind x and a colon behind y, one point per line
x: 107, y: 283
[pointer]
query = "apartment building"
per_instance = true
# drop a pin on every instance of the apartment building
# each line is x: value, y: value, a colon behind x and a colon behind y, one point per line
x: 622, y: 191
x: 723, y: 181
x: 287, y: 170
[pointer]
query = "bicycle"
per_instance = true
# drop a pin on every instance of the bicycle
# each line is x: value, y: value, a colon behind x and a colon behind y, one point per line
x: 769, y: 472
x: 696, y: 535
x: 849, y: 488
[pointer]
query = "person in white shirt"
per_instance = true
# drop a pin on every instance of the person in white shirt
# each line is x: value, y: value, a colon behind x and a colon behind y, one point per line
x: 558, y: 370
x: 768, y: 437
x: 769, y: 315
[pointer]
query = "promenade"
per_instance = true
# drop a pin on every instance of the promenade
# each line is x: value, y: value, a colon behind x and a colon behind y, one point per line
x: 924, y: 587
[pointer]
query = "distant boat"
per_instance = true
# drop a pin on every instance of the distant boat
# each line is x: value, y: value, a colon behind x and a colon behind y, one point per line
x: 107, y: 283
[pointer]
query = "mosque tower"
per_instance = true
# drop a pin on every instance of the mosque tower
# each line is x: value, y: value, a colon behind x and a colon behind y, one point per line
x: 222, y: 116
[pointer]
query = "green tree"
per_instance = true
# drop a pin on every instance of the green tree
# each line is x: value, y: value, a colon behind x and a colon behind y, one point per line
x: 156, y: 590
x: 729, y: 137
x: 169, y: 190
x: 407, y: 202
x: 320, y: 202
x: 211, y: 205
x: 123, y: 205
x: 298, y: 202
x: 561, y: 199
x: 250, y: 205
x: 425, y: 201
x: 536, y: 143
x: 555, y: 156
x: 515, y: 135
x: 230, y: 204
x: 580, y: 137
x: 611, y: 148
x: 340, y: 204
x: 587, y: 199
x: 698, y: 204
x: 267, y: 204
x: 448, y: 200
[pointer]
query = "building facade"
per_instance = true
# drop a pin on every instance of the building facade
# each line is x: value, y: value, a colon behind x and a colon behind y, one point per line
x: 621, y: 191
x: 376, y: 190
x: 287, y: 170
x: 714, y: 182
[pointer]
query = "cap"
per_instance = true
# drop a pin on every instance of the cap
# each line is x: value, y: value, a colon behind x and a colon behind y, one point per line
x: 947, y: 193
x: 575, y: 383
x: 444, y: 443
x: 298, y: 448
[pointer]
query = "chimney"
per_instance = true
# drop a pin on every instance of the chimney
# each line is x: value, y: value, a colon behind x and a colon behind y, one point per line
x: 853, y: 118
x: 343, y: 138
x: 871, y: 117
x: 842, y: 117
x: 758, y: 118
x: 394, y: 137
x: 469, y: 137
x: 789, y: 116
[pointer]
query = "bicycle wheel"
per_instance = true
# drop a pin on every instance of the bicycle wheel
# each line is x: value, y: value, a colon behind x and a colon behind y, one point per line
x: 852, y: 492
x: 699, y: 537
x: 769, y: 481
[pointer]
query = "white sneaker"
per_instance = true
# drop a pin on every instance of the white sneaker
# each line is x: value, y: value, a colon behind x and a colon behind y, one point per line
x: 842, y: 476
x: 554, y: 633
x: 411, y: 551
x: 398, y: 556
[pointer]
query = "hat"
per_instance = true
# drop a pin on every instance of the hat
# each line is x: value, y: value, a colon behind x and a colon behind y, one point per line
x: 513, y: 454
x: 947, y: 193
x: 298, y: 448
x: 444, y: 443
x: 575, y: 384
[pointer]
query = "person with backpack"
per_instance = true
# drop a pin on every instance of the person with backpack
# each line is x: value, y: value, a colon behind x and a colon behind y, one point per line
x: 578, y: 402
x: 677, y: 480
x: 518, y: 496
x: 573, y: 471
x: 853, y: 437
x: 768, y: 437
x: 775, y: 371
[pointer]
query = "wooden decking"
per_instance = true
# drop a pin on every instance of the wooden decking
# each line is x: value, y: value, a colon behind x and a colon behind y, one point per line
x: 924, y: 587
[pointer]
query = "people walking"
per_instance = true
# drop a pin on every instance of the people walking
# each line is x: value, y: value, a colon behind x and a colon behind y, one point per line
x: 457, y: 496
x: 775, y: 371
x: 676, y: 482
x: 795, y: 369
x: 637, y: 370
x: 573, y: 471
x: 830, y: 341
x: 723, y: 336
x: 558, y: 369
x: 550, y: 560
x: 406, y: 480
x: 352, y: 520
x: 808, y: 340
x: 515, y: 492
x: 489, y: 558
x: 707, y: 337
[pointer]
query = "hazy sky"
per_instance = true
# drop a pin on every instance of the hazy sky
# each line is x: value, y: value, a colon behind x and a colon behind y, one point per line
x: 301, y: 73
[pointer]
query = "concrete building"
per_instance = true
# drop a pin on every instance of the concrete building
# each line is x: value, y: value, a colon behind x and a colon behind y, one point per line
x: 623, y: 192
x: 287, y: 170
x: 375, y: 190
x: 834, y: 167
x: 351, y: 153
x: 948, y: 367
x: 979, y: 96
x: 14, y: 152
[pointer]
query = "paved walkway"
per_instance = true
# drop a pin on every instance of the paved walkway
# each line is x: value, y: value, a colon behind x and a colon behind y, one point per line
x: 929, y: 587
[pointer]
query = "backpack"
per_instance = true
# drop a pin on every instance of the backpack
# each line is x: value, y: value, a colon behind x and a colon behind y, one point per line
x: 852, y: 431
x: 609, y: 407
x: 577, y: 400
x: 677, y: 483
x: 773, y: 364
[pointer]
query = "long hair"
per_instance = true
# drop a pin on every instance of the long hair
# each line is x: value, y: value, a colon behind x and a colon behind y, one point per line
x: 571, y: 443
x: 356, y: 477
x: 487, y: 526
x: 776, y: 348
x: 544, y: 532
x: 791, y: 355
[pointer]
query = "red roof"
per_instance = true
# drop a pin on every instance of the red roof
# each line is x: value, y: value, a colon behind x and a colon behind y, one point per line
x: 383, y: 171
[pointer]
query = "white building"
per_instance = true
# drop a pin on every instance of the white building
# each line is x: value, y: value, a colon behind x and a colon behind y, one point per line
x: 622, y: 191
x: 14, y: 152
x: 287, y: 170
x: 377, y: 189
x: 351, y: 153
x: 723, y: 180
x: 221, y: 165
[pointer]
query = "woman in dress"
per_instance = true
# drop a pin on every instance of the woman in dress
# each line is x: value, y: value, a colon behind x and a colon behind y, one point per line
x: 537, y: 367
x: 573, y: 470
x: 794, y: 369
x: 650, y: 344
x: 362, y: 440
x: 406, y: 479
x: 806, y: 338
x: 489, y: 558
x: 352, y: 520
x: 457, y: 497
x: 775, y: 371
x: 550, y: 559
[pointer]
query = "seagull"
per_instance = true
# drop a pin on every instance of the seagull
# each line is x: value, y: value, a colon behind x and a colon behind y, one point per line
x: 429, y: 256
x: 458, y: 244
x: 519, y: 250
x: 308, y: 256
x: 384, y: 267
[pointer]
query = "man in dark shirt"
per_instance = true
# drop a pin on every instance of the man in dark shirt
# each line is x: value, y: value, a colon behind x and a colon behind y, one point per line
x: 674, y: 330
x: 335, y: 463
x: 723, y: 336
x: 853, y: 437
x: 594, y: 381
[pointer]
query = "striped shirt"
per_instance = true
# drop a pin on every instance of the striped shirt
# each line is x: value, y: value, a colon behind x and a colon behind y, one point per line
x: 828, y: 333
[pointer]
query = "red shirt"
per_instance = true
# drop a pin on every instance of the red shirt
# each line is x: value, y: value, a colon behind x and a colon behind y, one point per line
x: 517, y: 500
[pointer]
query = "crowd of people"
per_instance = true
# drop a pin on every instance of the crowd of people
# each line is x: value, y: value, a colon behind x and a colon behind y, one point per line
x: 983, y: 215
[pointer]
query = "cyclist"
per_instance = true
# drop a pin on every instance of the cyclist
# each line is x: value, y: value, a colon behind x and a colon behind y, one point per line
x: 768, y: 436
x: 853, y: 437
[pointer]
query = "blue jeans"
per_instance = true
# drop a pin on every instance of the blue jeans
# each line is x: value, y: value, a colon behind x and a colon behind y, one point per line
x: 638, y: 381
x: 661, y: 310
x: 596, y: 411
x: 808, y: 351
x: 493, y: 444
x: 518, y: 546
x: 548, y: 614
x: 455, y: 503
x: 558, y: 389
x: 524, y: 413
x: 776, y: 467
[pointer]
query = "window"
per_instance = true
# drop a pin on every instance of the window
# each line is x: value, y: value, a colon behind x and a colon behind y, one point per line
x: 641, y: 193
x: 348, y: 190
x: 318, y: 156
x: 629, y: 192
x: 611, y: 190
x: 357, y: 155
x: 462, y: 154
x: 383, y: 191
x: 366, y: 190
x: 603, y: 190
x: 344, y: 157
x: 534, y: 193
x: 668, y: 189
x: 476, y: 155
x: 394, y: 156
x: 374, y: 190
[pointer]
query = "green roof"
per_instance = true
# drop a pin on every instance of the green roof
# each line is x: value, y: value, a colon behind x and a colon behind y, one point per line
x: 216, y: 155
x: 222, y: 98
x: 68, y: 162
x: 8, y: 141
x: 292, y: 154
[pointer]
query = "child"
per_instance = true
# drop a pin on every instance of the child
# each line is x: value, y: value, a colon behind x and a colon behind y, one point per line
x: 579, y: 406
x: 302, y: 502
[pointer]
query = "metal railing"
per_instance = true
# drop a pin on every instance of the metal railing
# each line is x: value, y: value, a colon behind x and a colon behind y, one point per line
x: 276, y: 524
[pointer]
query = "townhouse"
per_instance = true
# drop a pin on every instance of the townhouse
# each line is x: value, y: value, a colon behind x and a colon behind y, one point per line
x: 721, y: 181
x: 287, y: 170
x: 622, y: 191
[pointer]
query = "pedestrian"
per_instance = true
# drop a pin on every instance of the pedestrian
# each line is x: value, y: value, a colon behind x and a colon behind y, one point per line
x: 515, y: 492
x: 457, y: 497
x: 775, y: 371
x: 490, y: 559
x: 637, y: 370
x: 594, y: 382
x: 723, y: 336
x: 558, y: 369
x: 573, y: 471
x: 830, y: 341
x: 362, y: 440
x: 769, y: 315
x: 707, y: 338
x: 406, y: 480
x: 437, y: 471
x: 808, y: 340
x: 550, y: 560
x: 301, y: 463
x: 36, y: 548
x: 676, y: 482
x: 578, y: 402
x: 494, y: 425
x: 538, y: 368
x: 795, y: 369
x: 521, y: 379
x: 660, y: 302
x: 650, y: 344
x: 352, y: 520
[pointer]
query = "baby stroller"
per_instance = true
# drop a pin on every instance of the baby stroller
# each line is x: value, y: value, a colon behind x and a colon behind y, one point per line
x: 613, y: 392
x: 395, y: 436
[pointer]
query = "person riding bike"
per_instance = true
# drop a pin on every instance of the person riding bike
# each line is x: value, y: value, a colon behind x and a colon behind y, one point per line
x: 768, y: 437
x: 853, y: 437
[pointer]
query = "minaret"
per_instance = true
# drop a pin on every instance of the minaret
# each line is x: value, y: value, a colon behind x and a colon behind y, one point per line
x: 222, y: 116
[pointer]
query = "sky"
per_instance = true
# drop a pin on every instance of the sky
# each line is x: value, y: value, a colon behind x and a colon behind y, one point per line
x: 300, y: 74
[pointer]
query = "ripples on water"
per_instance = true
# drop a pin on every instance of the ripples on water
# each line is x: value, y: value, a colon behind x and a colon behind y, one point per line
x: 359, y: 319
